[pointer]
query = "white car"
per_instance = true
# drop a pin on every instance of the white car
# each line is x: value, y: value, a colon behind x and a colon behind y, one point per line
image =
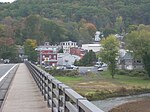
x: 100, y: 68
x: 60, y: 67
x: 6, y: 60
x: 71, y: 67
x: 104, y: 65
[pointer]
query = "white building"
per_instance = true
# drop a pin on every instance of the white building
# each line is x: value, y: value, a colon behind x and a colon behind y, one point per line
x: 97, y: 36
x: 67, y: 59
x: 67, y: 45
x: 93, y: 47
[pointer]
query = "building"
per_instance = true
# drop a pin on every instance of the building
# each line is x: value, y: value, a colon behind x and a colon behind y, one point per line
x: 97, y: 36
x: 67, y: 59
x: 94, y: 47
x: 127, y: 62
x: 77, y: 51
x: 47, y: 54
x: 67, y: 45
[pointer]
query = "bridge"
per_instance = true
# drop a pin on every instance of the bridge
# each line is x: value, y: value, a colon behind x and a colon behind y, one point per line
x: 33, y: 90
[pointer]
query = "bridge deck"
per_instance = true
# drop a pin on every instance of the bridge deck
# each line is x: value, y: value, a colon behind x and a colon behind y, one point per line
x: 24, y: 95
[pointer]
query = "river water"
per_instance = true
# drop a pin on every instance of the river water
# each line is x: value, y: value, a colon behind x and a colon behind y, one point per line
x: 110, y: 103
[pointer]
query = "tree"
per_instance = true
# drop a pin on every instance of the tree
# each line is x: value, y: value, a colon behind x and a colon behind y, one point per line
x: 29, y: 47
x: 109, y: 53
x: 108, y: 32
x: 119, y: 24
x: 139, y: 42
x: 88, y: 59
x: 2, y: 30
x: 8, y: 52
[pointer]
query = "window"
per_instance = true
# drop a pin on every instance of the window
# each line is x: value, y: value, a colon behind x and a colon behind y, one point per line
x: 138, y: 61
x: 54, y: 57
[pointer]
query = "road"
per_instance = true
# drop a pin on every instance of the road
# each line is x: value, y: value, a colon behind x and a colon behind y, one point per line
x: 93, y: 69
x: 5, y: 79
x: 4, y: 68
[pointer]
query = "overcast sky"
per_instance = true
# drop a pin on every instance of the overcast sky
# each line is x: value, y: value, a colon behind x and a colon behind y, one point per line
x: 7, y: 0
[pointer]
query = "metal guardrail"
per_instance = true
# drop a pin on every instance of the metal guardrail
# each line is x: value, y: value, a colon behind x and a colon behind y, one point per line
x: 60, y: 97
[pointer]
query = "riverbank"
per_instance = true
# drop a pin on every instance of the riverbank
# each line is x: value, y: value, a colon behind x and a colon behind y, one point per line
x: 110, y: 103
x: 136, y: 106
x: 101, y: 86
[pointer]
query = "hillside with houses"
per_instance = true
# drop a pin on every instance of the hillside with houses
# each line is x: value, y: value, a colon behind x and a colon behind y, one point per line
x: 75, y: 28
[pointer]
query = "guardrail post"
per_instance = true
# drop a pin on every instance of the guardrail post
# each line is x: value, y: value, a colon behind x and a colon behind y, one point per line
x: 49, y: 91
x: 62, y: 88
x: 46, y: 86
x: 65, y: 102
x: 53, y: 96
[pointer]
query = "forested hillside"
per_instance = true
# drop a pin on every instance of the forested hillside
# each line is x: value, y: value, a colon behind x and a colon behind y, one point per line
x: 76, y: 20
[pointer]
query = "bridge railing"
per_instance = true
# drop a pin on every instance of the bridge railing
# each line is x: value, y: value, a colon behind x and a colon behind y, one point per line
x: 60, y: 97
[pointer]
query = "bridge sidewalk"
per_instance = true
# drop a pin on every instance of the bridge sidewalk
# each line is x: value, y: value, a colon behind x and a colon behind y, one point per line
x: 24, y: 95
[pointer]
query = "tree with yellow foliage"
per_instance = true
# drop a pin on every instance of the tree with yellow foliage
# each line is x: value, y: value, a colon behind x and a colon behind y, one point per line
x: 29, y: 48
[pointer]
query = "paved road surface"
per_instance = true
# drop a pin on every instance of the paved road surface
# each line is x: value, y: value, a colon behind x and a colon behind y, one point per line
x: 4, y: 68
x: 6, y: 76
x: 83, y: 70
x: 93, y: 69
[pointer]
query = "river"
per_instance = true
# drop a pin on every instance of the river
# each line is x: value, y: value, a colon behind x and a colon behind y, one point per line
x: 110, y: 103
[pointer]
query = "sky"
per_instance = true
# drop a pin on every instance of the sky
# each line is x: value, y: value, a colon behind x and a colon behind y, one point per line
x: 7, y: 0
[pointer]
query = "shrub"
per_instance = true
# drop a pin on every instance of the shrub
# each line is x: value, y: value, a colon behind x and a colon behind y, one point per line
x: 55, y: 72
x: 135, y: 73
x: 122, y: 72
x: 132, y: 73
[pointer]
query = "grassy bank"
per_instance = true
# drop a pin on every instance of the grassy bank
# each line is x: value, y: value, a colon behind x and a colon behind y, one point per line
x: 101, y: 86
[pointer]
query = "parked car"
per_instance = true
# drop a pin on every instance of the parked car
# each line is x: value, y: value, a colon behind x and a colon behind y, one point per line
x: 60, y: 68
x: 98, y: 64
x: 48, y: 67
x: 6, y: 61
x: 71, y: 67
x: 104, y: 65
x: 100, y: 68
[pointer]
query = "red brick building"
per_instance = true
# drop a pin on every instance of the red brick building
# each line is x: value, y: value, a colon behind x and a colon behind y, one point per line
x: 77, y: 51
x: 47, y: 54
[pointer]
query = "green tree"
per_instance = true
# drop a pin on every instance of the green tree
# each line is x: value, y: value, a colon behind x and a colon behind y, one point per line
x: 108, y: 32
x: 29, y: 47
x: 139, y: 42
x: 88, y: 59
x: 2, y: 30
x: 8, y: 52
x: 109, y: 53
x: 119, y: 25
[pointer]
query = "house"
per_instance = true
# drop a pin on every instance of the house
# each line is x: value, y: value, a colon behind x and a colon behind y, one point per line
x: 77, y: 51
x: 67, y: 59
x: 67, y: 45
x: 127, y: 62
x: 93, y: 47
x: 47, y: 54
